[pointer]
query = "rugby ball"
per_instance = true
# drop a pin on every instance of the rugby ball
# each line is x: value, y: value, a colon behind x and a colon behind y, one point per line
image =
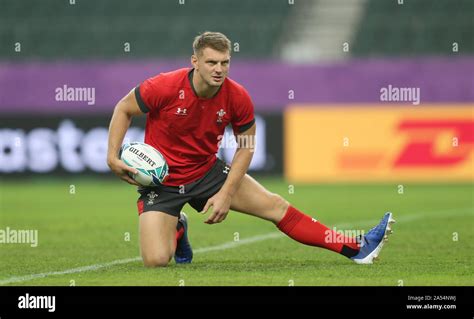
x: 150, y: 164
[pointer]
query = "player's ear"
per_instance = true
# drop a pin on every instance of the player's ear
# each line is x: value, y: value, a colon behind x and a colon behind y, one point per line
x: 194, y: 61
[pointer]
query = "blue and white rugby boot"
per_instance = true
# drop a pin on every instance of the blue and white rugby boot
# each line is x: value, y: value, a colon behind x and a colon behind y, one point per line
x: 184, y: 252
x: 372, y: 242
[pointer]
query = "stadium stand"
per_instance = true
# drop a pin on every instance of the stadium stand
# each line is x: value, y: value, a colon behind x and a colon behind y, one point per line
x: 421, y: 27
x: 153, y: 28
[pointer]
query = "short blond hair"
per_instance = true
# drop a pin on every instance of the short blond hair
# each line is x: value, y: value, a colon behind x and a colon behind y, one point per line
x: 214, y: 40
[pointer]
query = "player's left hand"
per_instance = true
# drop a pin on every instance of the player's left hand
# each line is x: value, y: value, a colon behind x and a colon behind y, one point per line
x: 220, y: 203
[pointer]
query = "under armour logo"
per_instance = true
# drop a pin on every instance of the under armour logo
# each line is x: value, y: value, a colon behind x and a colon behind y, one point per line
x: 314, y: 220
x: 181, y: 111
x: 226, y: 170
x: 151, y: 197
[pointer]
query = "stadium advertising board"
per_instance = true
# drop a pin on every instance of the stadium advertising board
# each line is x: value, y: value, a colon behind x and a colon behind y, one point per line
x: 400, y: 143
x: 78, y: 144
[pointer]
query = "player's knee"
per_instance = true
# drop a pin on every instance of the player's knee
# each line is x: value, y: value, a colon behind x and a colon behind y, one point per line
x: 158, y: 260
x: 279, y: 207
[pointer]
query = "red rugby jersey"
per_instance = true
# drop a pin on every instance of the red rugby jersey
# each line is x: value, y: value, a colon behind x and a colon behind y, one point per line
x: 185, y: 128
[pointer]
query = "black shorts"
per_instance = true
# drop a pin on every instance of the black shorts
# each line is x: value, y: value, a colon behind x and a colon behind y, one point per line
x: 171, y: 199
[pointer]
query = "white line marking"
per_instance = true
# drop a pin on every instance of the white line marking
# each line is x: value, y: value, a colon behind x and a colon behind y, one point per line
x: 234, y: 244
x: 224, y: 246
x: 68, y: 271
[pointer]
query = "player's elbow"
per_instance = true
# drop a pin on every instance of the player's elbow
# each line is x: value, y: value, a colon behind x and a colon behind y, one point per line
x: 128, y: 106
x: 246, y: 142
x: 123, y: 109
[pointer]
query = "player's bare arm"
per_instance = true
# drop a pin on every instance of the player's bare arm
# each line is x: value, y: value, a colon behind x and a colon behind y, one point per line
x: 188, y: 112
x: 220, y: 202
x: 125, y: 109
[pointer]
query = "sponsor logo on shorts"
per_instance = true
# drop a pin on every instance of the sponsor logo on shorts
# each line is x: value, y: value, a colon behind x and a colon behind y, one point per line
x: 151, y: 197
x: 226, y: 169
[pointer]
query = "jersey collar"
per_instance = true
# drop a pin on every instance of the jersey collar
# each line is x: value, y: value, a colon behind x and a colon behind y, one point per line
x: 190, y: 79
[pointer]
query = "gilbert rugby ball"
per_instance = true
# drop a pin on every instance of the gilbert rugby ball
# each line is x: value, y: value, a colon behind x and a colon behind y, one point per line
x: 150, y: 164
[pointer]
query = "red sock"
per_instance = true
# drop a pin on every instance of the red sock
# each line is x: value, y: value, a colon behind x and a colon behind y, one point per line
x: 310, y: 232
x: 179, y: 234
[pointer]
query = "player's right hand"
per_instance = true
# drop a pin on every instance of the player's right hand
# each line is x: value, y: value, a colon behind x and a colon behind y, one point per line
x: 122, y: 170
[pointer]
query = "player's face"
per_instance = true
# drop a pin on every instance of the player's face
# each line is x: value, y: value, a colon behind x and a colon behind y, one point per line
x: 212, y: 65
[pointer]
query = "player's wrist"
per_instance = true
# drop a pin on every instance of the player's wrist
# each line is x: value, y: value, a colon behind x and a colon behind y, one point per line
x: 112, y: 158
x: 226, y: 192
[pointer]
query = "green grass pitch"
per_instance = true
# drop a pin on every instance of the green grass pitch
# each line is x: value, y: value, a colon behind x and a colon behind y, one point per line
x: 90, y: 237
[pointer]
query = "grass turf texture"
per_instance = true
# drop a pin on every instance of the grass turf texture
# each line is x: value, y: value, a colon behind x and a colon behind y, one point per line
x: 91, y: 227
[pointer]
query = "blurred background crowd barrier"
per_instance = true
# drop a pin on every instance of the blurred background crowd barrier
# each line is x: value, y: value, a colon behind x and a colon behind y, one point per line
x: 360, y: 90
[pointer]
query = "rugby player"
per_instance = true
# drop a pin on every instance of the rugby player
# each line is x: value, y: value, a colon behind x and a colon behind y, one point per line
x: 187, y: 111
